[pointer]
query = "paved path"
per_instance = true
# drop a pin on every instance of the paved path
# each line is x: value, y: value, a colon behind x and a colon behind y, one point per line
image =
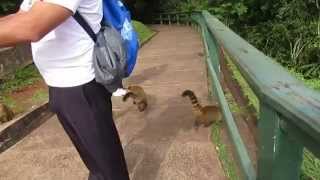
x: 160, y: 144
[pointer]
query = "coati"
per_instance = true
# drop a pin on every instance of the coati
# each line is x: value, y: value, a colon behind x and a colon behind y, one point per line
x: 5, y: 114
x: 138, y: 95
x: 205, y: 115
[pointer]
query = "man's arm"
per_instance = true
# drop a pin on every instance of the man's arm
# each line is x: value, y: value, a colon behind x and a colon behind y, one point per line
x: 6, y: 17
x: 31, y: 26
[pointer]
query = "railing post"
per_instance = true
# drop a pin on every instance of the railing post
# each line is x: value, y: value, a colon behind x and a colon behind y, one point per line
x: 178, y: 22
x: 184, y: 19
x: 213, y: 51
x: 169, y: 18
x: 279, y: 158
x: 161, y: 20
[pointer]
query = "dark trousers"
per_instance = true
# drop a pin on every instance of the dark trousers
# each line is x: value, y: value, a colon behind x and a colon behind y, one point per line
x: 85, y: 113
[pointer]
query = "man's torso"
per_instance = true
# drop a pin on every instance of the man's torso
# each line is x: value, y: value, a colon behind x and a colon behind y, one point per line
x: 64, y: 56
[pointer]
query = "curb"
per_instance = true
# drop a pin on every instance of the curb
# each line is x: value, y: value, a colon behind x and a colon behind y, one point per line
x: 148, y: 39
x: 14, y: 57
x: 23, y: 125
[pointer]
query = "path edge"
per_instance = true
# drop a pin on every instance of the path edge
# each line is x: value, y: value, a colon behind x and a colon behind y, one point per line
x: 23, y: 125
x: 149, y: 38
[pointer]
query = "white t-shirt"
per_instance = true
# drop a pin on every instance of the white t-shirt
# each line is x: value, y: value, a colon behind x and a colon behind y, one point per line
x: 64, y: 56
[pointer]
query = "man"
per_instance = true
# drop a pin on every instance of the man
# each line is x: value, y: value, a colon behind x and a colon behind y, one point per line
x: 62, y: 51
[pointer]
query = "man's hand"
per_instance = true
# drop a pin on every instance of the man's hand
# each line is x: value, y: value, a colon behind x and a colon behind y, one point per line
x: 31, y: 26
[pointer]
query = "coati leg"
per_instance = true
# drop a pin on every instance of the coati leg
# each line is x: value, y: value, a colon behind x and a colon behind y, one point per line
x: 208, y: 124
x: 129, y: 94
x: 196, y: 124
x: 142, y: 106
x: 6, y: 114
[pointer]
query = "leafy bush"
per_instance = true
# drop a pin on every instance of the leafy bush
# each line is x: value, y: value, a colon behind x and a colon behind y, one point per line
x: 144, y: 32
x: 22, y: 77
x: 287, y: 30
x: 9, y: 6
x: 291, y: 35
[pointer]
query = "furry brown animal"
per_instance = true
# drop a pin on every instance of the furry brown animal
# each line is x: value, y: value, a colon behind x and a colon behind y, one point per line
x: 205, y: 115
x: 138, y: 95
x: 5, y: 114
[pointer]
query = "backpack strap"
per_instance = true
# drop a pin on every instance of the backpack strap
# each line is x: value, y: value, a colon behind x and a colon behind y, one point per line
x: 84, y: 24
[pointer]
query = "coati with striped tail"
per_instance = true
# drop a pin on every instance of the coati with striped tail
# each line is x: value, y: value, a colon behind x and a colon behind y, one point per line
x: 205, y: 115
x: 138, y: 95
x: 5, y: 114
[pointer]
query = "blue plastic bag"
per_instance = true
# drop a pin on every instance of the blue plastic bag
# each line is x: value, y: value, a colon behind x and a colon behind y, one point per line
x: 117, y: 15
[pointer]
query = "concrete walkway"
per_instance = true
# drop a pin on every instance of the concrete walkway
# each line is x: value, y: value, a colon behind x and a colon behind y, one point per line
x: 160, y: 144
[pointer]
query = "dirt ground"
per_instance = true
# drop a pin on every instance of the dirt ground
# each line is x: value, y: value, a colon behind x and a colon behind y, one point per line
x: 29, y: 96
x: 159, y: 144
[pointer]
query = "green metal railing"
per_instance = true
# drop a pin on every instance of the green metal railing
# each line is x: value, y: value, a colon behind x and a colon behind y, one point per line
x: 289, y: 111
x: 179, y: 18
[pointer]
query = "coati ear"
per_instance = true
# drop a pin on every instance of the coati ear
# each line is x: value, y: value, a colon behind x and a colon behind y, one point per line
x: 140, y: 108
x: 186, y: 93
x: 183, y: 93
x: 196, y: 125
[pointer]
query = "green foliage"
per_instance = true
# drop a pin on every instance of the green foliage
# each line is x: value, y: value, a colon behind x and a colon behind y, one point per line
x: 311, y: 164
x: 228, y: 11
x: 8, y: 101
x: 287, y: 30
x: 245, y: 88
x: 228, y: 164
x: 21, y: 78
x: 310, y: 167
x: 40, y: 96
x: 183, y: 5
x: 143, y: 31
x: 7, y: 6
x: 313, y: 83
x: 192, y: 5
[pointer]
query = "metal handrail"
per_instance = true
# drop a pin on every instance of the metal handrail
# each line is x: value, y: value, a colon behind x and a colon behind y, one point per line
x: 289, y: 111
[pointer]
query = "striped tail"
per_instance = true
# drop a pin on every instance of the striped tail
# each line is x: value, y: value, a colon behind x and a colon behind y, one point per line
x: 193, y: 98
x: 129, y: 94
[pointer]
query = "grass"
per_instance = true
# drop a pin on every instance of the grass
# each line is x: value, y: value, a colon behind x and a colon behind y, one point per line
x: 15, y: 106
x: 311, y: 164
x: 21, y: 78
x: 311, y: 83
x: 310, y: 167
x: 7, y: 100
x: 144, y: 32
x: 247, y: 91
x: 40, y: 96
x: 228, y: 165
